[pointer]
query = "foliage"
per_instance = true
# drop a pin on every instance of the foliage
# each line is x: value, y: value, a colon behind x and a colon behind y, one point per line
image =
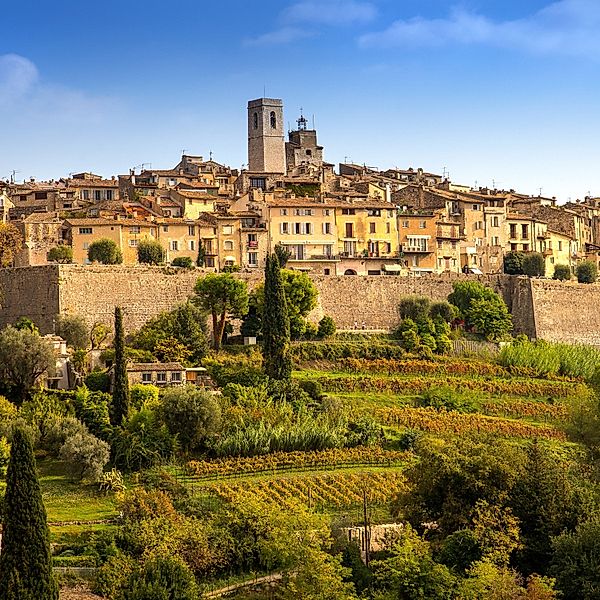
x: 85, y: 456
x: 283, y: 255
x: 111, y: 481
x: 201, y: 256
x: 481, y: 308
x: 534, y: 264
x: 222, y: 296
x: 98, y: 335
x: 333, y: 350
x: 26, y: 324
x: 120, y: 395
x: 447, y: 398
x: 414, y: 307
x: 25, y: 561
x: 513, y: 263
x: 24, y: 358
x: 182, y: 261
x: 586, y: 272
x: 182, y: 330
x: 192, y: 414
x: 105, y: 251
x: 144, y: 395
x: 142, y: 442
x: 73, y: 329
x: 562, y: 272
x: 11, y: 242
x: 60, y: 254
x: 576, y: 563
x: 92, y: 408
x: 98, y: 381
x: 326, y: 327
x: 276, y: 324
x: 446, y: 311
x: 161, y: 578
x: 150, y: 252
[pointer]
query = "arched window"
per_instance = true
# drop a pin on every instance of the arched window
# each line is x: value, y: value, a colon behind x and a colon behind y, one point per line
x: 255, y: 120
x: 273, y: 120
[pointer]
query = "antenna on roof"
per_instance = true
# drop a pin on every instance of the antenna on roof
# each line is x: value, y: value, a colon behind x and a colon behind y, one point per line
x: 445, y: 173
x: 12, y: 175
x: 210, y: 155
x: 541, y: 191
x: 264, y: 91
x: 313, y: 120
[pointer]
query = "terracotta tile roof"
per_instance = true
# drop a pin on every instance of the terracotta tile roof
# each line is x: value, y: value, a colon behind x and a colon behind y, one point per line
x: 100, y: 222
x: 91, y: 183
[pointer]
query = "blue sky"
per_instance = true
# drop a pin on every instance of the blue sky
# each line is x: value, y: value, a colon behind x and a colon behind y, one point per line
x: 501, y: 92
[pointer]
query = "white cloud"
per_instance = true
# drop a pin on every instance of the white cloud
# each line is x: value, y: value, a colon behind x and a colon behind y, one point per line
x: 329, y: 12
x: 567, y: 27
x: 285, y: 35
x: 17, y: 76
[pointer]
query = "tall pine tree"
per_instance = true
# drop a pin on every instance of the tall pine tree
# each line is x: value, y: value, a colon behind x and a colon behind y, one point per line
x: 120, y: 399
x: 25, y: 560
x: 276, y: 324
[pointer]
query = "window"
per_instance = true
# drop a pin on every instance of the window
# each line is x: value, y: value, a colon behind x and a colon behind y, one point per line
x: 210, y: 261
x: 495, y: 241
x: 524, y: 231
x: 133, y: 243
x: 192, y: 245
x: 255, y: 119
x: 348, y: 211
x: 388, y: 227
x: 273, y: 120
x: 513, y: 231
x: 86, y: 245
x: 388, y: 248
x: 146, y: 377
x: 475, y: 206
x: 253, y: 259
x: 453, y: 245
x: 525, y: 247
x: 349, y: 230
x: 134, y: 229
x: 495, y: 221
x: 298, y: 228
x: 174, y: 245
x: 161, y: 377
x: 283, y: 212
x: 422, y: 224
x: 309, y: 153
x: 297, y: 252
x: 374, y: 212
x: 327, y: 228
x: 560, y: 245
x: 417, y: 244
x: 326, y: 271
x: 308, y: 228
x: 372, y: 227
x: 258, y: 182
x: 109, y: 194
x: 284, y: 227
x: 97, y: 195
x: 228, y: 229
x: 405, y: 224
x: 303, y: 212
x: 191, y: 230
x: 85, y: 230
x: 326, y: 212
x: 228, y: 245
x: 176, y: 377
x: 165, y: 228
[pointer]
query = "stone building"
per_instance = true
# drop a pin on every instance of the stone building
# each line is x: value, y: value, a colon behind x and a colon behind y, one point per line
x: 266, y: 148
x: 41, y: 232
x: 302, y: 148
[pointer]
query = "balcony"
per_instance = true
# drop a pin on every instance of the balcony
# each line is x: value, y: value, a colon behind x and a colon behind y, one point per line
x: 315, y: 257
x: 416, y: 250
x: 252, y: 244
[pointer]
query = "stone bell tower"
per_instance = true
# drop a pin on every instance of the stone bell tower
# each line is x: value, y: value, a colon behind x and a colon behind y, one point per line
x: 266, y: 146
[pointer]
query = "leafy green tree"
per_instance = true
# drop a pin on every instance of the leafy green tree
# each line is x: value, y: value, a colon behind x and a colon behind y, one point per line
x: 576, y: 562
x: 150, y: 252
x: 85, y: 456
x: 105, y: 251
x: 326, y: 327
x: 414, y: 307
x: 586, y: 271
x: 182, y: 261
x: 60, y: 254
x: 276, y: 324
x: 73, y: 329
x: 25, y: 560
x: 11, y: 241
x: 98, y: 381
x: 26, y: 324
x: 179, y: 334
x: 24, y: 358
x: 409, y: 570
x: 221, y: 295
x: 481, y: 308
x: 513, y: 263
x: 444, y: 310
x: 161, y: 578
x: 192, y: 414
x: 562, y: 272
x: 120, y: 396
x: 534, y: 264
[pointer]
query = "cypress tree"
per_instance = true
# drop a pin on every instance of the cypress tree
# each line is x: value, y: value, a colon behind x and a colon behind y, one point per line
x: 25, y: 560
x: 276, y: 324
x: 120, y: 399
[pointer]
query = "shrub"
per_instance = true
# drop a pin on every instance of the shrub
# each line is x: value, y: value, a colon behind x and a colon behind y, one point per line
x: 98, y: 381
x: 73, y: 329
x: 60, y: 254
x: 513, y: 263
x: 534, y: 264
x: 445, y: 397
x: 183, y: 261
x: 150, y: 252
x: 326, y: 327
x: 192, y: 414
x: 414, y: 307
x: 143, y: 395
x: 111, y: 481
x: 313, y: 389
x: 105, y: 251
x: 93, y: 409
x: 443, y: 309
x: 562, y: 272
x: 85, y: 456
x: 586, y: 272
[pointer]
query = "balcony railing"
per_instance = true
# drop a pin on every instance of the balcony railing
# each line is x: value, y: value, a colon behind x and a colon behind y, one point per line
x: 416, y: 250
x: 252, y: 244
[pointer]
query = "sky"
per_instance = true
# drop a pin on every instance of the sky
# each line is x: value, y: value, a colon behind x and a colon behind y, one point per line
x: 498, y: 94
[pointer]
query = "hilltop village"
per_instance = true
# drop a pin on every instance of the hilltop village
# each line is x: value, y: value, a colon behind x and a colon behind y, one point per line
x: 358, y: 220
